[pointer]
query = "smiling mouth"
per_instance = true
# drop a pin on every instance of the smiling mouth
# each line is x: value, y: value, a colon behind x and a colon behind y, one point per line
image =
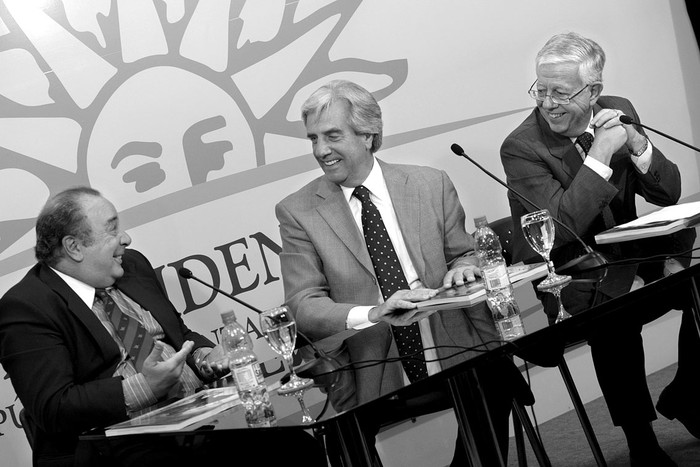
x: 555, y: 116
x: 331, y: 162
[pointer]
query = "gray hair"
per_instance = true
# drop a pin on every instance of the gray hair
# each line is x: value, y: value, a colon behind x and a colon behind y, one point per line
x: 574, y: 48
x: 365, y: 114
x: 61, y: 216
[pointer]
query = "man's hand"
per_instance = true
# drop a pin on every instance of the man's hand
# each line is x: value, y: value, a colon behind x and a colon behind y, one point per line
x: 461, y: 273
x: 215, y: 364
x: 161, y: 374
x: 607, y: 125
x: 400, y: 309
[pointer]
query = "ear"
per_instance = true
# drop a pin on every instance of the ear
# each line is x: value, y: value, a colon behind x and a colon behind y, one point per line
x: 596, y: 91
x: 73, y: 248
x: 369, y: 139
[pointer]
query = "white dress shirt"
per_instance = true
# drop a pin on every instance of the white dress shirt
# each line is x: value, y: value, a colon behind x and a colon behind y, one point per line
x: 358, y: 317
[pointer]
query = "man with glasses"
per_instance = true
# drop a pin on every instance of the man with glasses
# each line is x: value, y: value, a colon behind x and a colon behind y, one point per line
x: 573, y: 156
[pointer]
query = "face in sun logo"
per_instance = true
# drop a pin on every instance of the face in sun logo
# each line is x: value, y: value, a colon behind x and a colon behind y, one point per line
x: 166, y: 102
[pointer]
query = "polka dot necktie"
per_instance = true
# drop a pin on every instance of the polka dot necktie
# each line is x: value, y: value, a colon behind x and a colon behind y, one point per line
x: 390, y: 276
x: 585, y: 141
x: 137, y: 341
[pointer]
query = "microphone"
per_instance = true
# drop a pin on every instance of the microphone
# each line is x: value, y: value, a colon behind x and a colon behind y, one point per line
x: 590, y: 260
x: 627, y: 120
x: 323, y: 363
x: 187, y: 274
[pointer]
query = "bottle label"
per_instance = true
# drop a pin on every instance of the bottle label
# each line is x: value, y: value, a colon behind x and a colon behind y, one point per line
x: 496, y: 277
x: 248, y: 376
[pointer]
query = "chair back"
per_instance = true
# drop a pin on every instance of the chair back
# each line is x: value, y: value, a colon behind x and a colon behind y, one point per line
x: 504, y: 229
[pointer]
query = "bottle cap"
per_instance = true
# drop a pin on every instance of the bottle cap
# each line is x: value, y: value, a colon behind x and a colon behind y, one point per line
x: 228, y: 316
x: 479, y: 221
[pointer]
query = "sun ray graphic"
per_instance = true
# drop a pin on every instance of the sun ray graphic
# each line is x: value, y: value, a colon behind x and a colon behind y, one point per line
x: 170, y: 103
x: 79, y: 70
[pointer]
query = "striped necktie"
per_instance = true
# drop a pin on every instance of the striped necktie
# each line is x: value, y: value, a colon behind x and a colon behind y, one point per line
x: 391, y: 279
x: 137, y: 341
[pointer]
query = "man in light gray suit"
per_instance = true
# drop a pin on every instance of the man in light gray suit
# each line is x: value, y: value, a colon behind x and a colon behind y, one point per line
x: 329, y: 277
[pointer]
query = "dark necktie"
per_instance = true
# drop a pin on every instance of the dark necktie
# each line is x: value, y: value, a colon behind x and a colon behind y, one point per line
x: 137, y: 341
x: 585, y: 141
x: 391, y: 279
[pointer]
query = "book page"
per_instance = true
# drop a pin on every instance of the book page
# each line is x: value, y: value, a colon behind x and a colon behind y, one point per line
x: 667, y: 214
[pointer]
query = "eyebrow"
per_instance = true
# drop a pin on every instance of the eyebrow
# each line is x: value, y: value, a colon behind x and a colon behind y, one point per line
x: 112, y: 221
x: 326, y: 132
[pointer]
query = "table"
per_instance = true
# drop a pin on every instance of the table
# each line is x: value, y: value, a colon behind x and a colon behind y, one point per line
x: 539, y: 347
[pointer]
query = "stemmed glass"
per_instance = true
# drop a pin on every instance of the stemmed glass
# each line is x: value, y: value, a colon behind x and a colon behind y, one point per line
x: 538, y: 229
x: 281, y: 334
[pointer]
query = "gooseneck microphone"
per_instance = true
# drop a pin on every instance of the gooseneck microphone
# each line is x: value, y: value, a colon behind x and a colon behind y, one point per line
x: 187, y: 274
x: 627, y: 120
x: 592, y: 259
x: 323, y: 360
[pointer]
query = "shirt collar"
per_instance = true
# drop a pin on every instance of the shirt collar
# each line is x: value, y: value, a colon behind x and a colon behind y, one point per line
x: 374, y: 183
x: 82, y: 290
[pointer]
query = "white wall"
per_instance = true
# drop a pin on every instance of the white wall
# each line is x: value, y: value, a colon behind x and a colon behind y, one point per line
x: 215, y: 93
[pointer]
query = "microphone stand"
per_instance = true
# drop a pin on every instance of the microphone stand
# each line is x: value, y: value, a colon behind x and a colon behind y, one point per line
x: 627, y: 120
x: 591, y: 260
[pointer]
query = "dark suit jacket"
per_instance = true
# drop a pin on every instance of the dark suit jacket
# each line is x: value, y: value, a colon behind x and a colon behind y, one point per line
x: 547, y: 168
x: 60, y: 358
x: 327, y: 270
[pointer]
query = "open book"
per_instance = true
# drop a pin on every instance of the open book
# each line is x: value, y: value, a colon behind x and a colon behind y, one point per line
x: 662, y: 222
x: 179, y: 414
x: 474, y: 292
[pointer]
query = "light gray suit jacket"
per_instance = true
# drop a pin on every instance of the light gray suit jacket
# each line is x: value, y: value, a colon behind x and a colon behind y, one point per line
x: 327, y: 271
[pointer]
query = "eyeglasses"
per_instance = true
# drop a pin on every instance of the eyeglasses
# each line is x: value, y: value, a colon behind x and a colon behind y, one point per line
x: 557, y: 98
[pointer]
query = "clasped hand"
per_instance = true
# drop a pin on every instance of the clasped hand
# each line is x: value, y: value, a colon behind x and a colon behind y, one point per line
x: 611, y: 134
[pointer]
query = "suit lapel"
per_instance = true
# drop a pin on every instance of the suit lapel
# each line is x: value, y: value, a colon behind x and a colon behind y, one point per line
x: 561, y: 147
x: 81, y: 311
x: 406, y: 200
x: 335, y: 211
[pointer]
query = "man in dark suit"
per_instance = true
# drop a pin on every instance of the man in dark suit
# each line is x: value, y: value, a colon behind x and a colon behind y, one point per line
x: 70, y: 365
x: 574, y: 157
x: 330, y: 280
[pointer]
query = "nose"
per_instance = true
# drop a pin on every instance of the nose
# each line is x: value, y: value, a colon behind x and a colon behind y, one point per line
x: 125, y: 239
x: 548, y: 103
x: 321, y: 149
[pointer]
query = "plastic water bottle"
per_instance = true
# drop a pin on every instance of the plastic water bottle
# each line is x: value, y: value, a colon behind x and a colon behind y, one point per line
x: 499, y: 291
x: 246, y: 373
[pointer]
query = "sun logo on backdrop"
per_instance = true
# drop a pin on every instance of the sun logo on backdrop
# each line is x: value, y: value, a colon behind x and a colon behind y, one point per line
x: 167, y: 103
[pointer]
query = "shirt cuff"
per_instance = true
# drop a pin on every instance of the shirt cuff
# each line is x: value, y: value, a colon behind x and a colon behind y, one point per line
x: 598, y: 167
x: 644, y: 160
x: 137, y: 393
x: 358, y: 318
